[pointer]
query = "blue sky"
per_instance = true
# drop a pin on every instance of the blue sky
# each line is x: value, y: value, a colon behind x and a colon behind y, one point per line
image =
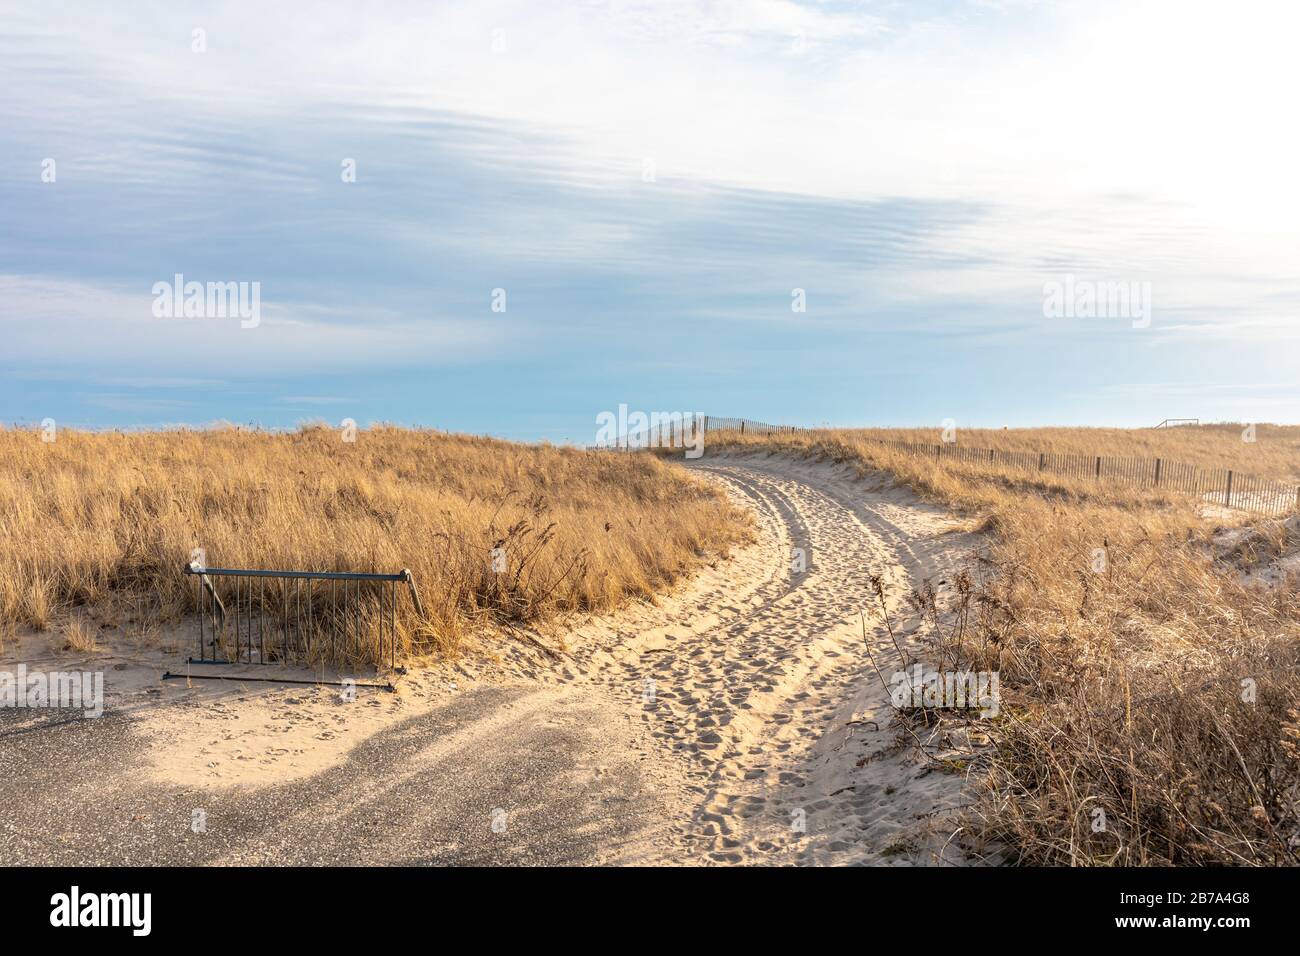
x: 649, y: 183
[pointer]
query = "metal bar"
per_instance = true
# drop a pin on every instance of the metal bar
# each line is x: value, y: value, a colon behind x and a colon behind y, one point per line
x: 272, y: 680
x: 211, y: 639
x: 317, y: 575
x: 198, y: 587
x: 237, y: 620
x: 254, y: 609
x: 311, y: 618
x: 344, y: 619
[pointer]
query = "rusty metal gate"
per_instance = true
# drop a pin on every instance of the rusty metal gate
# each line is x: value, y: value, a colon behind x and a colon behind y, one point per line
x: 261, y: 617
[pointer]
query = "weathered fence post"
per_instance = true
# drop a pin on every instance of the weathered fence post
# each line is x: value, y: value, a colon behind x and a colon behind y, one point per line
x: 1099, y: 466
x: 1157, y: 472
x: 1042, y: 458
x: 742, y: 426
x: 1227, y: 493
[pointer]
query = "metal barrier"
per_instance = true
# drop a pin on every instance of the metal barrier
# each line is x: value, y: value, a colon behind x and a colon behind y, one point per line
x: 259, y: 617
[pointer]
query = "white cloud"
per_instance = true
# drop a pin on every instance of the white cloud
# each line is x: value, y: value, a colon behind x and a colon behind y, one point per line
x: 1125, y: 140
x: 1165, y: 97
x: 51, y: 322
x: 1054, y: 103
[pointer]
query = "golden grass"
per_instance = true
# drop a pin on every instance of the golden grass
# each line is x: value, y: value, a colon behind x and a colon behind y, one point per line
x: 95, y: 517
x: 80, y: 636
x: 1150, y: 709
x: 1274, y: 453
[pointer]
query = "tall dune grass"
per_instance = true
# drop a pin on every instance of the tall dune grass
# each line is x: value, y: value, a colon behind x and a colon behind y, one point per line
x: 1265, y: 450
x: 95, y: 516
x: 1151, y: 701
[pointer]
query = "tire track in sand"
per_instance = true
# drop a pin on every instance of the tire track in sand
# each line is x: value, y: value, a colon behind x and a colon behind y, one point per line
x: 777, y: 710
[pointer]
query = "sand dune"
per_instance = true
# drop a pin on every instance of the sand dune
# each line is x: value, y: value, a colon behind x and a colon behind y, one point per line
x: 737, y: 720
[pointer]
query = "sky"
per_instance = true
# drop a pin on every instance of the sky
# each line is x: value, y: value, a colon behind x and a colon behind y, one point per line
x: 507, y: 218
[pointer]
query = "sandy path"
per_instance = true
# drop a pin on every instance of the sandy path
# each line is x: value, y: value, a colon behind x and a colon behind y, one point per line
x: 737, y: 720
x: 777, y: 706
x: 758, y: 681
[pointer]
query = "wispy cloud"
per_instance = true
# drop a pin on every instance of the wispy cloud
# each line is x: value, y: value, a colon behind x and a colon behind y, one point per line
x: 648, y: 184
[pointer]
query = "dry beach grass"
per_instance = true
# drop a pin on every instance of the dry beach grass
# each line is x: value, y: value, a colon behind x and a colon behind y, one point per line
x: 1270, y: 451
x: 94, y: 519
x: 1147, y: 653
x: 1150, y: 707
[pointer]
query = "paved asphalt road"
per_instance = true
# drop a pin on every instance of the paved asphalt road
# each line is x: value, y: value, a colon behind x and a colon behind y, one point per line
x: 75, y: 792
